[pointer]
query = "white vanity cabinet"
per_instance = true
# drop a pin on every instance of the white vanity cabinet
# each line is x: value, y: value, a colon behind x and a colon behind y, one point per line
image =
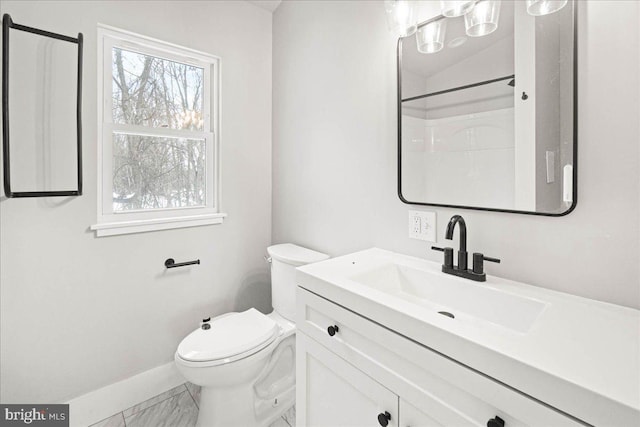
x: 364, y: 370
x: 337, y: 393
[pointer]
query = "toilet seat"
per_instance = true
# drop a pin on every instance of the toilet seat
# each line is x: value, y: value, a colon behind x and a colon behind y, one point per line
x: 231, y: 337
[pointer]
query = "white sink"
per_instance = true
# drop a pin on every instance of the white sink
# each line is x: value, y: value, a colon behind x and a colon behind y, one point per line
x: 567, y: 351
x: 453, y: 296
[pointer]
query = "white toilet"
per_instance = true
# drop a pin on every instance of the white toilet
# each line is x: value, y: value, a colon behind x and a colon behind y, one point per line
x: 245, y: 362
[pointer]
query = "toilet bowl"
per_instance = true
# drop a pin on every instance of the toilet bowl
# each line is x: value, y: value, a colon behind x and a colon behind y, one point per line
x: 245, y: 362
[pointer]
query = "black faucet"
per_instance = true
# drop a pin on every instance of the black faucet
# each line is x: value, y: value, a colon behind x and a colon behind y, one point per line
x: 477, y: 272
x: 462, y: 252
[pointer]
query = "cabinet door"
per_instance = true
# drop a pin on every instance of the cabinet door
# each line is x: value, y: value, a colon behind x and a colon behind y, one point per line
x: 331, y: 392
x: 410, y: 416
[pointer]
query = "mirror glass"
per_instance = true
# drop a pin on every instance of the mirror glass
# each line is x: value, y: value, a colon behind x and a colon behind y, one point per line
x: 43, y: 125
x: 488, y: 122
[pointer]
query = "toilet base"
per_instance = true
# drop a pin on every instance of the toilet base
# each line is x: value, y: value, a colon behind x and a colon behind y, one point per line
x: 236, y: 407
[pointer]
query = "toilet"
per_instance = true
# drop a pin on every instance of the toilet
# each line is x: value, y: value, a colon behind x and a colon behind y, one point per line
x: 245, y: 362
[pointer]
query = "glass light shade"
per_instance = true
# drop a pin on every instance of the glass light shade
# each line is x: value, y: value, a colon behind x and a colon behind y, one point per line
x: 453, y: 8
x: 483, y: 19
x: 401, y: 17
x: 430, y: 37
x: 544, y: 7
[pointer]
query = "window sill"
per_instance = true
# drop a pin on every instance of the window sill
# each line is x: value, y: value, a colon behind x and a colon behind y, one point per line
x: 141, y: 226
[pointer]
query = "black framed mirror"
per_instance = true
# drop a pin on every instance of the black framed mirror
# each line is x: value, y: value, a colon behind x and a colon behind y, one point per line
x: 490, y: 122
x: 41, y: 112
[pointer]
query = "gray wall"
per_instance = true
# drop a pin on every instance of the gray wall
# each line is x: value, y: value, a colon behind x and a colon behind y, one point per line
x: 334, y: 152
x: 80, y: 312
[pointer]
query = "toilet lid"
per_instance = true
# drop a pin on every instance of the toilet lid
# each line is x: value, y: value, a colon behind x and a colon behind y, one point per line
x: 229, y: 335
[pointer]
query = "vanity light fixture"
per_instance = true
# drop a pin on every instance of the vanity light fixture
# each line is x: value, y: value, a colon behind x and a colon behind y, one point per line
x: 544, y: 7
x: 401, y: 17
x: 453, y: 8
x: 483, y: 19
x: 480, y: 17
x: 430, y: 37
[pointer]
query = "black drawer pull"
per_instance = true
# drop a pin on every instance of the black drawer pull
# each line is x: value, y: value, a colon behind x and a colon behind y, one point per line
x: 495, y: 422
x: 383, y: 419
x: 332, y: 330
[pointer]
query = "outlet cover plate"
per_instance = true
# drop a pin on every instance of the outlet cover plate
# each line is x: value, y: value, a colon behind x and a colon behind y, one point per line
x: 422, y: 225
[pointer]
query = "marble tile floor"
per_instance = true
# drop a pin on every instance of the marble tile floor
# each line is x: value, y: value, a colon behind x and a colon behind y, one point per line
x: 177, y: 407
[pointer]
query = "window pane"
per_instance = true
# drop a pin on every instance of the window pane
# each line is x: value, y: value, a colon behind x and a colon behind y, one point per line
x: 158, y: 173
x: 156, y: 92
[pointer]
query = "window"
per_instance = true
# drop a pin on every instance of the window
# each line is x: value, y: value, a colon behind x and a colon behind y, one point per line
x: 158, y: 107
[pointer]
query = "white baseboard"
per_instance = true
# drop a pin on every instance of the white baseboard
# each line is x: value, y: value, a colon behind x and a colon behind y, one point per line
x: 102, y: 403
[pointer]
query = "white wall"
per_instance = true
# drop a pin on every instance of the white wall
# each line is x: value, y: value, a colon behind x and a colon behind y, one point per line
x: 80, y: 312
x: 334, y: 152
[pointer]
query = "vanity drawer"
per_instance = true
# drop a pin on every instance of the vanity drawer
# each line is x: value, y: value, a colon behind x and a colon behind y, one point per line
x: 439, y: 386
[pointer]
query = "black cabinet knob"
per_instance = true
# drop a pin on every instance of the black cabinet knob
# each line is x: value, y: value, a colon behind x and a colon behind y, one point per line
x: 495, y: 422
x: 331, y: 330
x: 383, y: 419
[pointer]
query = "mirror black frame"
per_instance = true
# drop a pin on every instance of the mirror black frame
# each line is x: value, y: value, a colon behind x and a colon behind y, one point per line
x: 7, y: 24
x: 574, y: 4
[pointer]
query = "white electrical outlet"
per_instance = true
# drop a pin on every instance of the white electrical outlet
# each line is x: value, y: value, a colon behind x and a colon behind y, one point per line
x: 422, y: 225
x: 416, y: 225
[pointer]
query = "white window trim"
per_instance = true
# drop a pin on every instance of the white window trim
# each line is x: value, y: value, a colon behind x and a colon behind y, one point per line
x: 110, y: 223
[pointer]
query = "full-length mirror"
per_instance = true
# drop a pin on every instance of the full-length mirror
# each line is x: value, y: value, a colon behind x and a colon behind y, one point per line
x: 486, y: 110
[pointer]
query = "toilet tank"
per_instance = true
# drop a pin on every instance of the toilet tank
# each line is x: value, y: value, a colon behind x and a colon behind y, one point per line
x: 284, y: 260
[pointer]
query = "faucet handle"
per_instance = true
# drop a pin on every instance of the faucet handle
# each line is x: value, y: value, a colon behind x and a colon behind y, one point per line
x: 448, y: 255
x: 478, y: 262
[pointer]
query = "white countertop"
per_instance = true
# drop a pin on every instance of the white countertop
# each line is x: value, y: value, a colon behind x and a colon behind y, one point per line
x: 581, y: 356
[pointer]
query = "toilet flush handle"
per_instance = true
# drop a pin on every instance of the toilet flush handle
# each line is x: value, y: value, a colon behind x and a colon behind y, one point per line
x: 205, y: 323
x: 267, y: 259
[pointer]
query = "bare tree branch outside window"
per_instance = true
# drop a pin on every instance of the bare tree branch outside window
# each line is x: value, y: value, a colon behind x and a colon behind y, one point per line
x: 157, y: 172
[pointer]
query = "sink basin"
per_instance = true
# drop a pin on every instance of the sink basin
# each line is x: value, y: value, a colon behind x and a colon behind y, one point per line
x: 453, y: 297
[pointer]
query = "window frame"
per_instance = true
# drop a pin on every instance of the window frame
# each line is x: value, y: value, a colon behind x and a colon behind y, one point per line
x: 124, y: 222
